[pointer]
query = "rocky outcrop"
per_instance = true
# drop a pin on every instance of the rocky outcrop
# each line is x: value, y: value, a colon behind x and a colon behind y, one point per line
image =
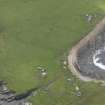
x: 80, y: 58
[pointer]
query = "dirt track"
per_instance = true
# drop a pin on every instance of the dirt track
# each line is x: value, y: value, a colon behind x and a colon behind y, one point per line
x: 72, y: 57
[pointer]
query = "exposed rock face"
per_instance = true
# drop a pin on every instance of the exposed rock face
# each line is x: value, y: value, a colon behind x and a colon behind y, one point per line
x: 10, y: 97
x: 87, y: 58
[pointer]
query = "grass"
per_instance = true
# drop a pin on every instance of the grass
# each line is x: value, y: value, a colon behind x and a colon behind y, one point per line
x: 41, y: 32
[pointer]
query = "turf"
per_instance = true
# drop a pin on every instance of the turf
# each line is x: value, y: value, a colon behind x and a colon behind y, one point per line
x: 41, y: 32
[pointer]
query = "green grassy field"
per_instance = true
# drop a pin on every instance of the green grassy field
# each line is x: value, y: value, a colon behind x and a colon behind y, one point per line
x: 41, y: 32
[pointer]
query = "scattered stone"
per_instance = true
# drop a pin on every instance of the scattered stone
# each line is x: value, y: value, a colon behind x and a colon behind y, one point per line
x: 65, y: 63
x: 2, y: 83
x: 69, y: 80
x: 64, y: 67
x: 43, y: 70
x: 89, y: 17
x: 4, y: 88
x: 102, y: 83
x: 78, y: 93
x: 27, y: 103
x: 77, y: 88
x: 39, y: 68
x: 34, y: 93
x: 44, y: 74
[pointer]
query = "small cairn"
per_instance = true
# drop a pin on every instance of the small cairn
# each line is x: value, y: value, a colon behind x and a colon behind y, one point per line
x: 43, y: 71
x: 78, y: 92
